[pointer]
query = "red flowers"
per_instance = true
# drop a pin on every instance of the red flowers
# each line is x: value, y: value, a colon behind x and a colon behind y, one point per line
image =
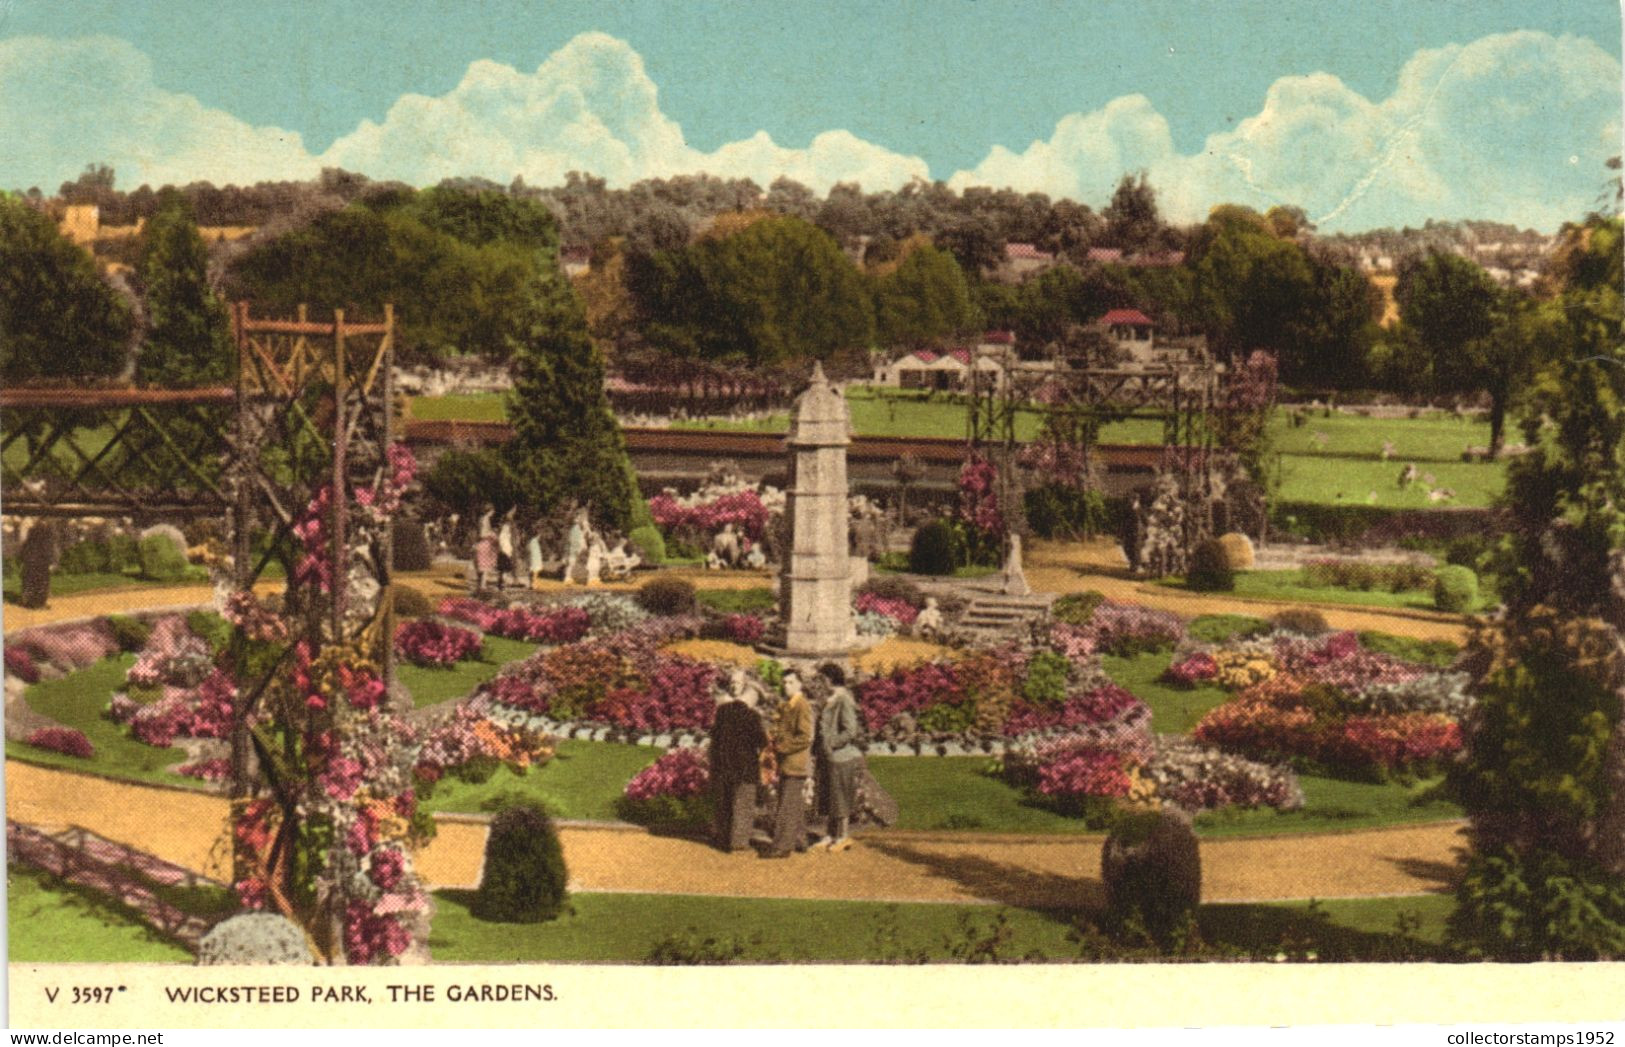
x: 430, y: 643
x: 558, y: 625
x: 899, y: 610
x: 679, y: 774
x: 63, y: 740
x: 743, y: 509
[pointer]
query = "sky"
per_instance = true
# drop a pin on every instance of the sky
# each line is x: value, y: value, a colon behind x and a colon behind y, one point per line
x: 1382, y: 112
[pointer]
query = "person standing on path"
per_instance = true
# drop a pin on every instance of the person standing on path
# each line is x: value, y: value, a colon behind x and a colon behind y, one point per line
x: 737, y: 741
x: 839, y: 760
x: 792, y: 744
x: 485, y: 550
x: 506, y: 550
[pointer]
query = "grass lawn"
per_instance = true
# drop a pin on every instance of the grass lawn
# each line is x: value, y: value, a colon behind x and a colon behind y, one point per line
x: 956, y: 792
x: 1290, y: 585
x: 1174, y: 710
x: 1332, y: 480
x: 1434, y: 438
x: 431, y: 686
x: 77, y: 700
x: 638, y: 928
x: 583, y: 780
x: 464, y: 407
x: 1331, y: 804
x: 68, y: 584
x: 737, y: 601
x: 48, y: 921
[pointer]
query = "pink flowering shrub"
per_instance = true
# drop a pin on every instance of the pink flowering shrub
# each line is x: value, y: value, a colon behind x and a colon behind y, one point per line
x: 884, y: 698
x: 430, y: 643
x: 20, y: 664
x: 172, y: 656
x: 674, y: 790
x: 65, y: 740
x: 1192, y: 670
x: 1074, y: 641
x: 1195, y: 778
x: 873, y: 603
x: 470, y: 745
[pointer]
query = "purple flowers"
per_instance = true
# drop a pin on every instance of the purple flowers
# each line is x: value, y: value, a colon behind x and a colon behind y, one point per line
x: 430, y: 643
x: 20, y: 664
x: 744, y: 509
x: 558, y: 625
x: 1192, y: 670
x: 65, y: 740
x: 679, y: 774
x: 899, y: 610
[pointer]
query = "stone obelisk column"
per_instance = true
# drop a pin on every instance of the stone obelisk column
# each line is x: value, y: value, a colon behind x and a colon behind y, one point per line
x: 815, y: 591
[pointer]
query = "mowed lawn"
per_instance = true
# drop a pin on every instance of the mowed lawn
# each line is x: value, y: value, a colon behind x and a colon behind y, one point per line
x: 1330, y: 459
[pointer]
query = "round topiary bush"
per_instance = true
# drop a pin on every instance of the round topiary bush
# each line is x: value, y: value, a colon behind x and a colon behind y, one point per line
x: 525, y: 878
x: 161, y: 559
x: 1238, y: 550
x: 409, y: 603
x: 932, y: 549
x: 666, y: 596
x: 649, y: 544
x: 254, y: 938
x: 1455, y: 588
x: 131, y: 634
x: 411, y: 546
x: 1152, y: 869
x: 1305, y: 621
x: 1210, y: 570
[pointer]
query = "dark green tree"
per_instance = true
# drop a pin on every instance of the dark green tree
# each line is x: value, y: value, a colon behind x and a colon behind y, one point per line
x: 1544, y: 778
x: 58, y: 318
x: 923, y: 300
x: 1132, y: 220
x: 188, y: 335
x: 566, y: 446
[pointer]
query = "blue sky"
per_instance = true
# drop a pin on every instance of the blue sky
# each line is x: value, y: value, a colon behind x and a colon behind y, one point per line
x: 1364, y: 113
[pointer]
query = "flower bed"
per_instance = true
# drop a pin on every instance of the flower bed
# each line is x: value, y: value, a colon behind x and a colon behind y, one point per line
x: 65, y: 740
x: 20, y: 663
x: 433, y: 644
x: 1328, y: 702
x: 1129, y: 629
x: 217, y: 770
x: 553, y: 626
x: 623, y: 681
x: 712, y: 508
x: 470, y: 746
x: 900, y: 611
x: 674, y: 791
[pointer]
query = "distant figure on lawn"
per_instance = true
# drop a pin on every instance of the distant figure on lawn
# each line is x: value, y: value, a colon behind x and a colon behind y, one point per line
x: 485, y: 550
x: 792, y: 745
x: 737, y: 741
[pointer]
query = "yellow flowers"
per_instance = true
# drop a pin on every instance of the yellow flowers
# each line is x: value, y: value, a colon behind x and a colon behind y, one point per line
x: 1241, y: 669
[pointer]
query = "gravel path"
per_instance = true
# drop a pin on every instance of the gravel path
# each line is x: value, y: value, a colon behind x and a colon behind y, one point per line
x: 190, y: 830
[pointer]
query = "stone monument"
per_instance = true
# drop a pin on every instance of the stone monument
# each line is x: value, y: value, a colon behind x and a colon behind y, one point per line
x: 815, y: 589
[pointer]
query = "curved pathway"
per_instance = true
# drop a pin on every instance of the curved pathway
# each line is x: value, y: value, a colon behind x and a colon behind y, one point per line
x: 189, y: 829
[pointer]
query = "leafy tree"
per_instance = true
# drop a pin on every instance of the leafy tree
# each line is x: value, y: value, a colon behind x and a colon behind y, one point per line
x: 1546, y: 743
x: 1473, y: 336
x: 188, y: 340
x: 777, y: 292
x: 58, y: 318
x: 1132, y: 221
x: 923, y: 300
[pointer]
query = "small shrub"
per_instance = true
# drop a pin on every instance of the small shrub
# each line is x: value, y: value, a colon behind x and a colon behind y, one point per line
x: 161, y: 561
x: 1152, y: 869
x: 210, y: 628
x: 525, y: 877
x: 63, y: 740
x: 1238, y: 550
x: 131, y: 634
x: 122, y: 553
x: 1064, y: 511
x: 1469, y: 551
x: 932, y: 550
x: 649, y: 544
x: 666, y: 596
x: 1455, y: 588
x: 1305, y: 621
x: 891, y: 587
x: 1077, y: 608
x: 411, y: 546
x: 1046, y: 678
x: 1210, y: 570
x: 426, y: 642
x: 409, y: 603
x: 86, y: 557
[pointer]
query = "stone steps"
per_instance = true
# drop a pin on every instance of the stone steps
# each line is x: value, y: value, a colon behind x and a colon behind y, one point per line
x: 997, y: 614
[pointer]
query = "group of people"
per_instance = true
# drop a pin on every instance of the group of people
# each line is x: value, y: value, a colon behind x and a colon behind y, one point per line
x: 587, y: 558
x: 804, y: 743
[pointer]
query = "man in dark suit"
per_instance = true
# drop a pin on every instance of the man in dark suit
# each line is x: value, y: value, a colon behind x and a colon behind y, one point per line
x: 737, y: 739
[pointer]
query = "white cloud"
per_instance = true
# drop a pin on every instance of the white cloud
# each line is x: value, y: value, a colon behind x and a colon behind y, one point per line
x: 64, y: 103
x: 1513, y: 127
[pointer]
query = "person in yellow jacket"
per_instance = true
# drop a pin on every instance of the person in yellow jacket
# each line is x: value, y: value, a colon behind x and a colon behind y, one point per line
x: 792, y: 745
